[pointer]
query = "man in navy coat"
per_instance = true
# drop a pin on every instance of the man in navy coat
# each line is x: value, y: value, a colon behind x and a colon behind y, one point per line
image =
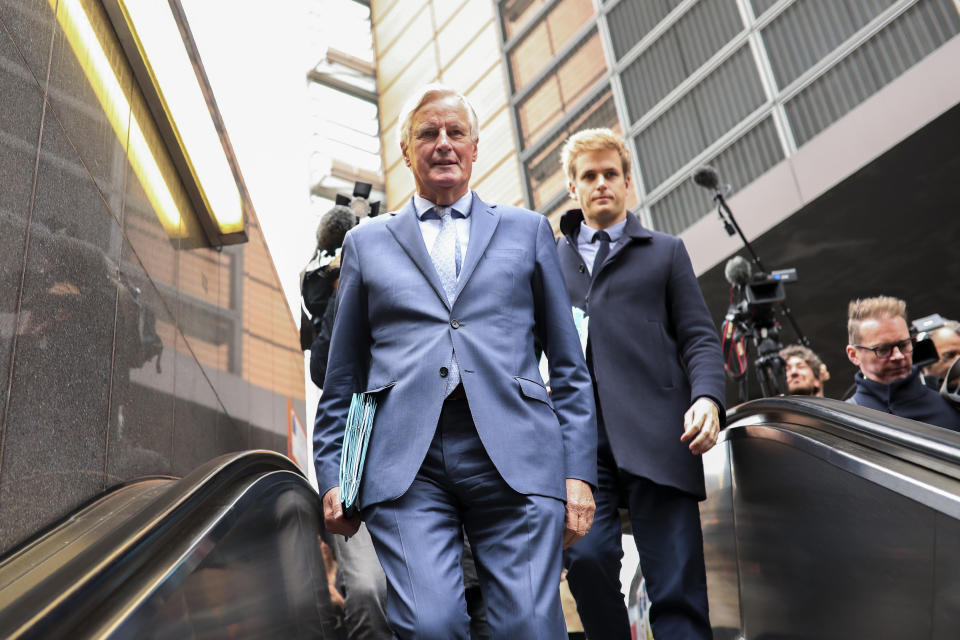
x: 659, y: 384
x: 438, y: 311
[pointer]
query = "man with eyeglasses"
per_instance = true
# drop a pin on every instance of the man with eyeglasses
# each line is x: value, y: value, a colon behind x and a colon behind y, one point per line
x: 880, y: 345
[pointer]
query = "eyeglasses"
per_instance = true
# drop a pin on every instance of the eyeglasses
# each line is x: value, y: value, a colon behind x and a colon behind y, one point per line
x: 884, y: 351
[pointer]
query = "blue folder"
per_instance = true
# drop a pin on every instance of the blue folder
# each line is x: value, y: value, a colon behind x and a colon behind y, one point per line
x: 356, y: 437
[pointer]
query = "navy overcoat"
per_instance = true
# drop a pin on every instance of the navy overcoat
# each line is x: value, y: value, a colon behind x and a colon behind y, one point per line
x: 653, y: 345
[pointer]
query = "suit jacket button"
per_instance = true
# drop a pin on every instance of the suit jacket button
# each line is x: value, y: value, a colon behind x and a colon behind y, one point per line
x: 455, y: 324
x: 444, y: 372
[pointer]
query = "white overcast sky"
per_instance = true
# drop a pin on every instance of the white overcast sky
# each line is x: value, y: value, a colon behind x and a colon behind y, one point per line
x: 256, y: 55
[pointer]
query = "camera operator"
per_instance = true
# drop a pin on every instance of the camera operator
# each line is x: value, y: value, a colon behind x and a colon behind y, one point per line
x: 318, y: 284
x: 881, y: 346
x: 947, y: 341
x: 358, y: 582
x: 806, y: 373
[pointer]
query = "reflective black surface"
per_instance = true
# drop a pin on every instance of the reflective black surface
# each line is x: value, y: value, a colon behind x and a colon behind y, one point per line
x: 125, y: 348
x: 231, y: 551
x: 830, y: 521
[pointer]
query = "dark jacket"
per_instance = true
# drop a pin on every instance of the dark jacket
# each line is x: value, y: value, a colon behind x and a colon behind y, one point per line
x: 908, y: 398
x: 653, y: 346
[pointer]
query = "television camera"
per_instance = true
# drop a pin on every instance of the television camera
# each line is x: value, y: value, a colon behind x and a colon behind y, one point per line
x: 752, y: 317
x: 755, y: 298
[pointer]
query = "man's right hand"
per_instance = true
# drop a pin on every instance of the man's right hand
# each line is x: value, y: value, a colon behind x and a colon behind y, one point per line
x: 333, y: 516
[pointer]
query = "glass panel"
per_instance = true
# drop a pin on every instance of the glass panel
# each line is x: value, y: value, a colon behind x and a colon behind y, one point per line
x: 543, y: 43
x: 544, y: 173
x: 515, y: 14
x: 575, y: 76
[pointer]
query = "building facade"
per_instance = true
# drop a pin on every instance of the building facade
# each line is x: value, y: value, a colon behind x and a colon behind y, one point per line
x: 456, y: 43
x: 796, y: 103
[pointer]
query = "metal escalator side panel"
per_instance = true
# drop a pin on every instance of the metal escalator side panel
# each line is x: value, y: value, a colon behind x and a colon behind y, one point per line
x: 253, y: 569
x: 720, y: 544
x: 839, y: 537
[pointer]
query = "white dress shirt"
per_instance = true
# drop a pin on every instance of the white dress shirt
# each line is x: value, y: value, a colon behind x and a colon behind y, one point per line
x: 587, y: 248
x: 430, y: 228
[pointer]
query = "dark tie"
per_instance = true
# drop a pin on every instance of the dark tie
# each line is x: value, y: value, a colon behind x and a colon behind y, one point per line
x: 604, y: 239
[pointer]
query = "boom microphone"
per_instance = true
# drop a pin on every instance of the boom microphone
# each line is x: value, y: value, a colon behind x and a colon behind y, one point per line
x: 333, y: 227
x: 737, y: 271
x: 706, y: 176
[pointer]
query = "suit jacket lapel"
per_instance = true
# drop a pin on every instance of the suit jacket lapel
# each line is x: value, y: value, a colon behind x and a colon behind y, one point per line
x: 405, y: 227
x: 483, y: 222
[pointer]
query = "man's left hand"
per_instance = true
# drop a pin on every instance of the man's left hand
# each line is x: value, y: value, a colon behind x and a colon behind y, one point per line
x: 580, y: 508
x: 701, y: 426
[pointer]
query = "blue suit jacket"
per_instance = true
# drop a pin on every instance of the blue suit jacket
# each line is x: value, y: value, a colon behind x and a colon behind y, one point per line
x: 393, y: 332
x: 654, y: 348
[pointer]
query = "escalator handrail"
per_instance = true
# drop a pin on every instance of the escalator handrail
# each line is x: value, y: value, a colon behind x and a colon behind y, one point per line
x: 930, y: 446
x: 132, y: 541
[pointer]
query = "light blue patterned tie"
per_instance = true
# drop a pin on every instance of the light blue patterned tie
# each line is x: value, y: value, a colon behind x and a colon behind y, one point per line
x: 446, y: 259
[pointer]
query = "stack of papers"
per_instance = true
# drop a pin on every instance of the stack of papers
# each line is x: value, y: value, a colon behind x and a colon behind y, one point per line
x: 582, y: 322
x: 355, y: 440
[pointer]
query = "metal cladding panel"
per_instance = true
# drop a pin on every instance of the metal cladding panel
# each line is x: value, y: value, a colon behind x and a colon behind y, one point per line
x: 631, y: 20
x: 896, y: 48
x: 705, y: 28
x: 680, y: 208
x: 810, y: 29
x: 702, y: 116
x: 760, y: 6
x: 689, y: 43
x: 670, y: 141
x: 739, y: 164
x: 652, y: 76
x: 750, y: 156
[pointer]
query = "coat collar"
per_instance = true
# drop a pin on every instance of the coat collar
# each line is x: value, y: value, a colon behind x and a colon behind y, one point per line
x: 405, y: 227
x: 633, y: 230
x: 901, y: 389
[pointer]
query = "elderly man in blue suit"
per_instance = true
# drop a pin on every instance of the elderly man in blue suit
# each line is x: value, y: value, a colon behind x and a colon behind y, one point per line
x: 658, y: 378
x: 438, y: 310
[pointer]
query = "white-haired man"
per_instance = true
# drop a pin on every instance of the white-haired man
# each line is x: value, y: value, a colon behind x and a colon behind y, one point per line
x: 438, y: 310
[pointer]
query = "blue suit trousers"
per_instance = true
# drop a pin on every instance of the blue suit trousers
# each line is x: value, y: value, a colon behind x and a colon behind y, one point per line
x: 516, y: 541
x: 666, y: 528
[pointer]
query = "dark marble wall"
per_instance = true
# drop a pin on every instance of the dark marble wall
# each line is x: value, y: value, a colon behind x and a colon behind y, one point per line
x: 123, y: 351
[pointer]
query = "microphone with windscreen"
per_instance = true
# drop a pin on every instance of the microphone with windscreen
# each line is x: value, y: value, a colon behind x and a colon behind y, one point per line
x: 737, y: 271
x: 706, y: 177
